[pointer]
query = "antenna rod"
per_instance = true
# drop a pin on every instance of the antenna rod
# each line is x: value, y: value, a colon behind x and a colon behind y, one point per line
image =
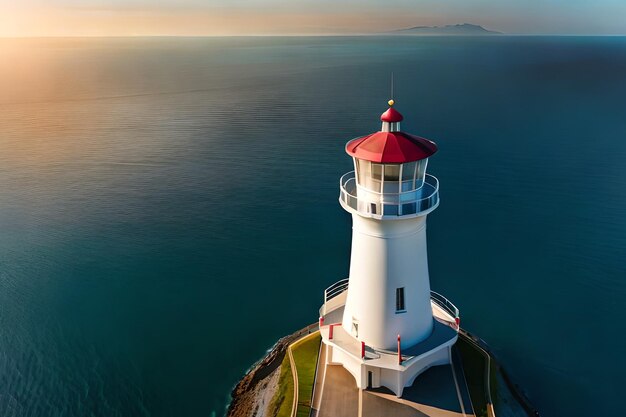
x: 392, y: 85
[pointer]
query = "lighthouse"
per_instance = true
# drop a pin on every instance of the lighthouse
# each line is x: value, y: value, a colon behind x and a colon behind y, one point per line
x: 383, y: 323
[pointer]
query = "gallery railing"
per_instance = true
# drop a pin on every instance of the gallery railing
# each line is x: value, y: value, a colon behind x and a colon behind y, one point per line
x: 446, y: 305
x: 377, y: 205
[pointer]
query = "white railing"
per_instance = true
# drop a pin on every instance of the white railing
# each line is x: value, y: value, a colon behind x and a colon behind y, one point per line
x: 348, y: 344
x: 389, y: 204
x: 334, y: 297
x: 445, y: 304
x: 335, y: 289
x: 341, y: 286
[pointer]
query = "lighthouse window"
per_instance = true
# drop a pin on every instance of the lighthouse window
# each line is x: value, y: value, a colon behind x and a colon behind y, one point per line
x: 407, y: 186
x: 400, y: 300
x: 377, y: 171
x: 408, y: 208
x: 392, y: 172
x: 391, y: 210
x: 363, y: 168
x: 421, y: 172
x: 375, y: 179
x: 408, y: 171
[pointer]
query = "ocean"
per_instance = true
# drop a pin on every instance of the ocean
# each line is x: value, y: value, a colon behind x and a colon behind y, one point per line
x: 168, y: 208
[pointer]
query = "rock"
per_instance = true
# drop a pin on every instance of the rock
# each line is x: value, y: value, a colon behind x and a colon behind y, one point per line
x: 250, y: 396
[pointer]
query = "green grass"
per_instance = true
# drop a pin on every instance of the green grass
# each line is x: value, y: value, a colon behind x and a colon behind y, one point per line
x: 474, y: 368
x: 283, y: 398
x: 305, y: 354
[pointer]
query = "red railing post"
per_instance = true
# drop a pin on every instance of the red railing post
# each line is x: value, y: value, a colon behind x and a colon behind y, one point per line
x: 321, y: 321
x: 457, y: 320
x: 399, y: 352
x: 362, y: 350
x: 330, y: 331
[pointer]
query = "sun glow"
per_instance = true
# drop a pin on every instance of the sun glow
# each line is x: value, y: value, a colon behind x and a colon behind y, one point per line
x: 41, y: 21
x: 38, y: 18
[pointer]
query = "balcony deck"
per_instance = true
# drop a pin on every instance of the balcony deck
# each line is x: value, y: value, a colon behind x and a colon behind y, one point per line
x: 441, y: 334
x: 445, y: 329
x: 408, y: 204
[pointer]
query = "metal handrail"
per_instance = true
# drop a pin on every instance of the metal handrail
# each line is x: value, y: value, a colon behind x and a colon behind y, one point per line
x: 335, y: 289
x: 371, y: 353
x: 444, y: 303
x: 412, y: 206
x: 428, y: 179
x: 340, y: 286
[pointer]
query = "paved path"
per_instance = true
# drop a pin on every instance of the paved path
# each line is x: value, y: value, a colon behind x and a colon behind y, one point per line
x: 434, y: 394
x: 340, y: 394
x: 319, y: 380
x: 294, y: 373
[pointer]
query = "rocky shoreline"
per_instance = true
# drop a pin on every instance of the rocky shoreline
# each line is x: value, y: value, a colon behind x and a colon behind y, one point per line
x: 253, y: 394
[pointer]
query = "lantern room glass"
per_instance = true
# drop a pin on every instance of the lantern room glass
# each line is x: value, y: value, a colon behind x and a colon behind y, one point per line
x: 391, y: 178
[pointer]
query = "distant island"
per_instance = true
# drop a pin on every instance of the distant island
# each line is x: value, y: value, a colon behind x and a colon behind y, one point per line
x: 460, y: 29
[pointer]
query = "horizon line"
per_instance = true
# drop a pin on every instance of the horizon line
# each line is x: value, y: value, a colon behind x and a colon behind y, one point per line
x: 291, y: 35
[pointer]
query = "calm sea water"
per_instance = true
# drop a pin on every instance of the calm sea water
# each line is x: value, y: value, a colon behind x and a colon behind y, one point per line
x: 168, y: 208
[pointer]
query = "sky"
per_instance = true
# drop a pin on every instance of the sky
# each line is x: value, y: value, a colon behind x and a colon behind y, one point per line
x: 302, y: 17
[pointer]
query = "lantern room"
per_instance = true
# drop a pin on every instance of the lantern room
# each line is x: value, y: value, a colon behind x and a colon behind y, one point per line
x: 389, y: 177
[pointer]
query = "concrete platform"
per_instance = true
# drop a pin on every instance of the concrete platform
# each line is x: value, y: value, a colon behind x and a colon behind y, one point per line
x: 434, y: 394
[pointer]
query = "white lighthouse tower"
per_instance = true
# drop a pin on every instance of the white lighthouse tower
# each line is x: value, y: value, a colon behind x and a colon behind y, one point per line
x: 383, y: 323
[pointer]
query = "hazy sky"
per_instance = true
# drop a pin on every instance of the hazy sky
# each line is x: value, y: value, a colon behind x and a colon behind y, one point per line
x: 247, y: 17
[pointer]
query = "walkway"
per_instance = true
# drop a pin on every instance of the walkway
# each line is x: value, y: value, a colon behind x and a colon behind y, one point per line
x: 340, y: 397
x: 434, y: 394
x: 294, y: 373
x: 320, y: 378
x: 441, y: 337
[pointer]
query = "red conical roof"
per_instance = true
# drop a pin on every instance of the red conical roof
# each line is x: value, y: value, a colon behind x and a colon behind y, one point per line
x: 391, y: 147
x: 391, y: 115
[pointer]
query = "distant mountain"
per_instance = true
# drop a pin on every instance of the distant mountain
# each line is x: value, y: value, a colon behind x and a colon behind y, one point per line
x: 461, y: 29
